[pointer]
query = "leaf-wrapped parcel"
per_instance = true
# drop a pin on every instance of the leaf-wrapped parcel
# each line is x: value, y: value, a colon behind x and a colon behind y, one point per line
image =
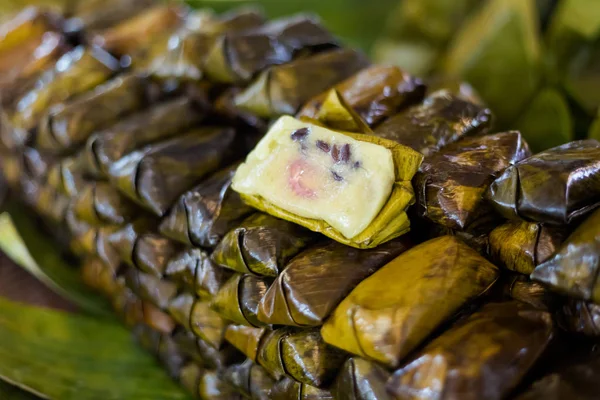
x: 313, y: 284
x: 238, y: 299
x: 74, y: 73
x: 301, y: 355
x: 360, y: 379
x: 573, y: 270
x: 375, y: 93
x: 579, y: 316
x: 287, y: 388
x: 246, y: 339
x: 424, y: 287
x: 158, y: 174
x: 452, y: 183
x: 152, y: 253
x: 521, y: 246
x: 68, y: 125
x: 193, y: 270
x: 204, y: 214
x: 283, y: 89
x: 556, y: 186
x: 261, y: 245
x: 237, y: 57
x: 204, y: 354
x: 442, y: 119
x: 98, y: 204
x: 250, y: 379
x: 160, y: 122
x: 483, y: 356
x: 299, y: 170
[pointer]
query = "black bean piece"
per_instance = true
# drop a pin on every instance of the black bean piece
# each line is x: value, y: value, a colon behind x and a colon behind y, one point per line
x: 335, y: 153
x: 323, y: 146
x: 336, y: 176
x: 300, y: 134
x: 345, y: 153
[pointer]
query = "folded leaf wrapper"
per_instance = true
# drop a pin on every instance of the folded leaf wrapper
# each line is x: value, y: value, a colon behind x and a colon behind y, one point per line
x: 261, y: 245
x: 580, y: 317
x: 375, y: 93
x: 250, y: 379
x: 390, y: 220
x: 74, y: 73
x: 98, y: 203
x: 285, y: 88
x: 193, y: 270
x: 287, y: 389
x: 238, y: 299
x: 301, y: 355
x: 442, y: 119
x: 157, y: 291
x: 360, y: 379
x: 482, y: 357
x: 246, y: 339
x: 238, y: 57
x: 100, y: 14
x: 204, y: 354
x: 69, y: 125
x: 573, y: 270
x: 160, y: 122
x: 452, y: 183
x: 214, y: 387
x: 425, y: 286
x: 556, y: 186
x: 152, y: 253
x: 318, y: 279
x: 521, y: 246
x: 203, y: 215
x: 157, y: 175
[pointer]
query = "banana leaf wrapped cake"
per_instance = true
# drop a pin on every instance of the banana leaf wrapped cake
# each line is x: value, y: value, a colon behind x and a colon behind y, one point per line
x: 360, y: 379
x: 353, y: 188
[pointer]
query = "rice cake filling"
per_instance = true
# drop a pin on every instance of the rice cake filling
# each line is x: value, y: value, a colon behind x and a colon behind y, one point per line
x: 318, y: 173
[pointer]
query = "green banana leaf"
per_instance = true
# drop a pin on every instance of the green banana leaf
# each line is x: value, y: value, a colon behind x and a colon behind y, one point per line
x: 23, y: 241
x: 10, y: 392
x: 70, y: 356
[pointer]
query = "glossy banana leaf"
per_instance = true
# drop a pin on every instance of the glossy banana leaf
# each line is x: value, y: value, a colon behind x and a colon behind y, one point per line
x: 225, y: 109
x: 556, y: 186
x: 158, y: 319
x: 442, y: 119
x: 30, y: 22
x: 76, y: 72
x: 203, y: 354
x: 123, y: 238
x: 573, y: 270
x: 424, y: 287
x: 302, y: 355
x: 158, y: 174
x: 196, y: 316
x: 203, y: 215
x: 285, y: 88
x: 69, y: 125
x: 483, y: 356
x: 318, y: 279
x: 250, y: 379
x: 547, y: 121
x: 521, y: 288
x: 575, y: 380
x: 170, y: 356
x: 36, y: 164
x: 287, y: 389
x: 521, y: 246
x: 261, y: 245
x: 24, y: 243
x: 375, y: 93
x: 152, y: 253
x: 160, y: 122
x: 246, y: 339
x: 157, y: 291
x: 140, y: 30
x: 237, y: 58
x: 389, y: 223
x: 452, y: 183
x: 183, y: 54
x: 455, y: 86
x: 98, y: 203
x: 477, y: 237
x: 193, y: 270
x: 580, y: 317
x: 360, y: 379
x: 237, y: 300
x: 213, y: 387
x: 93, y: 356
x: 93, y: 15
x: 573, y: 39
x: 189, y: 377
x: 45, y: 200
x: 499, y: 45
